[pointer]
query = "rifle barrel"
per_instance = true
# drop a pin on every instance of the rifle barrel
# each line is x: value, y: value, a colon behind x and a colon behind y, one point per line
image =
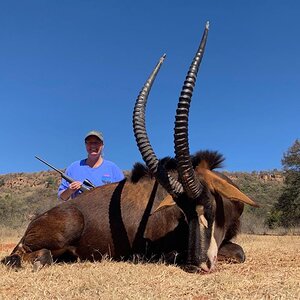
x: 48, y: 165
x: 63, y: 175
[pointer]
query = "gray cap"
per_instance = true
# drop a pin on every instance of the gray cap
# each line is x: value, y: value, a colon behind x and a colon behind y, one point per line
x: 96, y: 133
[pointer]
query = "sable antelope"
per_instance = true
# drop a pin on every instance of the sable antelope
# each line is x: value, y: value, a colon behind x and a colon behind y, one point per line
x: 168, y: 206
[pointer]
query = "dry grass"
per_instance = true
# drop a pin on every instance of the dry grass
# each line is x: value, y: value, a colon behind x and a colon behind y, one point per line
x: 271, y: 271
x: 8, y: 235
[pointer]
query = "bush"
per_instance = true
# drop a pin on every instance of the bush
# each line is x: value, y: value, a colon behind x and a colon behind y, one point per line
x: 16, y: 211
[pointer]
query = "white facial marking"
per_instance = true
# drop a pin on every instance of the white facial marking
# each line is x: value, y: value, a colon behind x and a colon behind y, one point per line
x: 203, y: 221
x: 212, y: 251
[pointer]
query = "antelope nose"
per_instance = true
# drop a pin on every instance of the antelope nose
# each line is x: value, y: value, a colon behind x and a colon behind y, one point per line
x: 204, y: 267
x: 209, y: 265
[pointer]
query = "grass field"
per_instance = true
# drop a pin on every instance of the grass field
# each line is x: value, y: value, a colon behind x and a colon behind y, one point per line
x: 271, y: 271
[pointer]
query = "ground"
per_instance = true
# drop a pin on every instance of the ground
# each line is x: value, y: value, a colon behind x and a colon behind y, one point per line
x: 271, y: 271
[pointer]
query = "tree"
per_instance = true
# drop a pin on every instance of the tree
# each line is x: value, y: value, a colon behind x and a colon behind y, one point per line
x: 291, y: 159
x: 286, y: 211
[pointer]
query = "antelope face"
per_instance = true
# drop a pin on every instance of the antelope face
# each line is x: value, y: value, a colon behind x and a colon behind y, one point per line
x: 206, y: 218
x: 210, y: 250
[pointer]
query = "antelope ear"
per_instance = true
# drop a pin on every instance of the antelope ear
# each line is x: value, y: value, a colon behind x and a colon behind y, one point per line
x: 224, y: 188
x: 168, y: 201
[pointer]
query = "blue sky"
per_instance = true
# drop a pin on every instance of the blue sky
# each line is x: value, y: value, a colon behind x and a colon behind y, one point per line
x: 67, y: 67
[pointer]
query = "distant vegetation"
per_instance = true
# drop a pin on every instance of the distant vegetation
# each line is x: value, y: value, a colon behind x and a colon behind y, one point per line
x: 23, y: 196
x: 286, y: 210
x: 264, y: 188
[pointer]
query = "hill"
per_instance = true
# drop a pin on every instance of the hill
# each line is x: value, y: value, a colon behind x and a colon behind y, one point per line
x: 24, y: 195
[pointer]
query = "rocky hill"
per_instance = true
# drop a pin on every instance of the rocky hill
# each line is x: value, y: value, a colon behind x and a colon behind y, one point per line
x: 20, y: 183
x: 24, y: 195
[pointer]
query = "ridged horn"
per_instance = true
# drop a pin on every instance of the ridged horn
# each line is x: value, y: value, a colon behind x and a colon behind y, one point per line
x: 190, y: 182
x: 139, y: 127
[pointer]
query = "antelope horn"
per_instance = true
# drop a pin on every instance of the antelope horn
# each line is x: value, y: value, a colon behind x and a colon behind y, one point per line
x: 191, y: 184
x: 166, y: 180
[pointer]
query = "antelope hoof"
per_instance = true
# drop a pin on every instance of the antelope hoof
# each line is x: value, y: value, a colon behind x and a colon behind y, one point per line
x: 231, y: 252
x: 13, y: 261
x: 44, y: 258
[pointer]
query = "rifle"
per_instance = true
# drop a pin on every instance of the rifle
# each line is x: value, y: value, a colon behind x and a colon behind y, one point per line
x: 87, y: 185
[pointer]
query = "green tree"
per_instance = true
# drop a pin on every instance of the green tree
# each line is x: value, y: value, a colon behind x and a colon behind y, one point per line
x: 286, y: 211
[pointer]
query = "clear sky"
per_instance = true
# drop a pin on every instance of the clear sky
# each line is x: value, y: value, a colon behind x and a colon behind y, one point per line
x: 70, y: 66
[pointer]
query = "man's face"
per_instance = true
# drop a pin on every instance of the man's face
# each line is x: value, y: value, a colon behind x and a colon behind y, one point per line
x: 93, y: 146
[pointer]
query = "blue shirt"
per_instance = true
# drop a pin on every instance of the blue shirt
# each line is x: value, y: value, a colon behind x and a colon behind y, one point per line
x: 107, y: 172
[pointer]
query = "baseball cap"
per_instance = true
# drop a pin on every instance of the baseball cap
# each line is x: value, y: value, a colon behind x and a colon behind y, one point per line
x: 96, y: 133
